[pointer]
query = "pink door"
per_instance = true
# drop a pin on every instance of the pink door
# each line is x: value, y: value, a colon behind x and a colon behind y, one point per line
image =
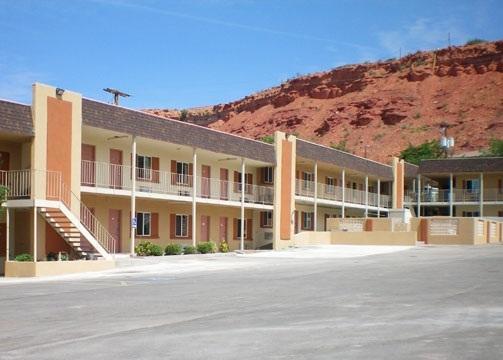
x: 205, y: 228
x: 223, y: 229
x: 224, y: 184
x: 115, y: 169
x: 88, y: 167
x: 114, y: 227
x: 205, y: 181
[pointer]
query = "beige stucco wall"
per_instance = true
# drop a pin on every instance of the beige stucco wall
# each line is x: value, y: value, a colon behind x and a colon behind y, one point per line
x: 15, y: 153
x: 102, y: 205
x: 166, y: 153
x: 374, y: 238
x: 39, y: 146
x: 51, y: 268
x: 306, y: 238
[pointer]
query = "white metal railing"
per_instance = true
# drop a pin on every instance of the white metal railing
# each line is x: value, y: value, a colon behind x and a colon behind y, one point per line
x: 100, y: 174
x: 18, y: 184
x: 304, y: 188
x: 332, y: 192
x: 458, y: 195
x: 493, y: 194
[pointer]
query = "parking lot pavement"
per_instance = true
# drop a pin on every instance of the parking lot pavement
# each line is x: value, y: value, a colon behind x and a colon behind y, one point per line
x: 418, y: 303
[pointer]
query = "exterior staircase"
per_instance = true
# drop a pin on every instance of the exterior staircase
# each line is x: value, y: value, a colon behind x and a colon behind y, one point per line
x: 69, y: 232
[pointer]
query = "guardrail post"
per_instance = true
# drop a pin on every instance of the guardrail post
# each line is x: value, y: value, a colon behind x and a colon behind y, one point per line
x: 378, y: 198
x: 343, y: 210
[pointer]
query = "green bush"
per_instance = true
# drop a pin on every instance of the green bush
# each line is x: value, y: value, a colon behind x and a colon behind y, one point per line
x: 269, y: 139
x: 475, y: 41
x: 24, y: 257
x: 173, y: 249
x: 207, y: 247
x: 428, y: 150
x: 146, y: 248
x: 223, y: 247
x: 189, y: 249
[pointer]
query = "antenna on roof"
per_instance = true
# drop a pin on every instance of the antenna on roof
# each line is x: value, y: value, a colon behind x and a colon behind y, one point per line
x: 116, y: 93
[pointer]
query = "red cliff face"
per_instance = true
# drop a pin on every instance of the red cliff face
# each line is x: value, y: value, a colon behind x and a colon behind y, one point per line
x: 382, y: 107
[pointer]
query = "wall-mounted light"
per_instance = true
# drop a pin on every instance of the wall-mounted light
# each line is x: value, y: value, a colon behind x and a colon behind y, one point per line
x: 59, y: 91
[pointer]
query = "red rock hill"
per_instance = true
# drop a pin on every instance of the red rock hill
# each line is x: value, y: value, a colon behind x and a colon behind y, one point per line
x: 382, y: 106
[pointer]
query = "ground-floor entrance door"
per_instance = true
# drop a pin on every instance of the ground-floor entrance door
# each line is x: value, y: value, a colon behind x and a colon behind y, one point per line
x: 223, y: 229
x: 115, y: 169
x: 205, y: 228
x: 114, y: 227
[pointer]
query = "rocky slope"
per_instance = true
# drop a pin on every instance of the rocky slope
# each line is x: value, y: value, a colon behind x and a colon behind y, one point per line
x: 377, y: 108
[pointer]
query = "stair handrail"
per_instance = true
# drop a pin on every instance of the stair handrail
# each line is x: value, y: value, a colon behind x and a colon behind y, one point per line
x: 86, y: 216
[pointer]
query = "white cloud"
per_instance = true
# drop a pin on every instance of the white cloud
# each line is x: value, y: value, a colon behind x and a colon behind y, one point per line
x: 15, y: 83
x: 421, y: 34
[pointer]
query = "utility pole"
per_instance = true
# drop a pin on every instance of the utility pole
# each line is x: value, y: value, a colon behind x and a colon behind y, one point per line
x: 116, y: 93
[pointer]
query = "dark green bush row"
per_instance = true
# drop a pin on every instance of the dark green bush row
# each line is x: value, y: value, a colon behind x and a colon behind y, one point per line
x: 146, y: 248
x: 24, y: 257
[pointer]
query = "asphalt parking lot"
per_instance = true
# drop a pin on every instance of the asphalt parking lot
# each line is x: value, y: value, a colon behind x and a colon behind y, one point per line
x: 420, y: 303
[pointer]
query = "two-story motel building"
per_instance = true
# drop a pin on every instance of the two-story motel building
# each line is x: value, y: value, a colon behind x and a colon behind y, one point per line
x: 77, y: 170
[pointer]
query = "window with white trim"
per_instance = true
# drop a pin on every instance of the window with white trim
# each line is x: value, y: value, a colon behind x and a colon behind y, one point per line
x: 472, y: 186
x: 182, y: 172
x: 267, y: 219
x: 307, y: 220
x: 144, y: 167
x: 143, y: 223
x: 182, y: 226
x: 239, y: 228
x: 330, y: 183
x: 268, y: 175
x: 308, y: 179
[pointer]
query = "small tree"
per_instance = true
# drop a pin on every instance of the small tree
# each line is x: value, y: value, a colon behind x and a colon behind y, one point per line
x: 184, y: 114
x: 428, y: 150
x: 3, y: 198
x: 495, y: 148
x: 475, y: 41
x: 340, y: 146
x: 268, y: 139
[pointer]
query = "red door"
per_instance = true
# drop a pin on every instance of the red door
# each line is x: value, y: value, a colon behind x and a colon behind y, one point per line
x: 205, y: 228
x: 223, y: 229
x: 114, y: 227
x: 88, y: 167
x: 115, y: 169
x: 224, y: 184
x: 205, y: 181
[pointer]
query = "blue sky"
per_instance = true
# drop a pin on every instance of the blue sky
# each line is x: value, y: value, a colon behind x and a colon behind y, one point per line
x: 178, y: 54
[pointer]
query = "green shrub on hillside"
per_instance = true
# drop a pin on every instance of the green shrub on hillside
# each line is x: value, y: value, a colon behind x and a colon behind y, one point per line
x: 428, y: 150
x: 475, y: 41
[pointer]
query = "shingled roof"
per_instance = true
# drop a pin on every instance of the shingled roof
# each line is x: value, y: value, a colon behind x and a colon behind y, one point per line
x: 111, y: 117
x: 343, y: 159
x: 411, y: 170
x: 461, y: 165
x: 15, y: 118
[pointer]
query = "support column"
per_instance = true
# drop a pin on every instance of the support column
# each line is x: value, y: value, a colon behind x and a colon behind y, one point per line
x: 451, y: 195
x: 194, y: 197
x: 343, y: 193
x: 419, y: 196
x: 315, y: 227
x: 7, y: 234
x: 34, y: 233
x: 133, y: 222
x: 366, y: 196
x: 242, y: 225
x: 481, y: 200
x: 378, y: 198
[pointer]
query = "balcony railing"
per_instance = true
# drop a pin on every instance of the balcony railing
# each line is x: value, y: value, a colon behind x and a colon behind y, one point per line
x: 331, y: 192
x: 19, y: 186
x: 458, y: 196
x: 105, y: 175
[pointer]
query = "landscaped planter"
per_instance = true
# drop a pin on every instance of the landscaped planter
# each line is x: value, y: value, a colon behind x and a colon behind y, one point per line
x: 48, y: 268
